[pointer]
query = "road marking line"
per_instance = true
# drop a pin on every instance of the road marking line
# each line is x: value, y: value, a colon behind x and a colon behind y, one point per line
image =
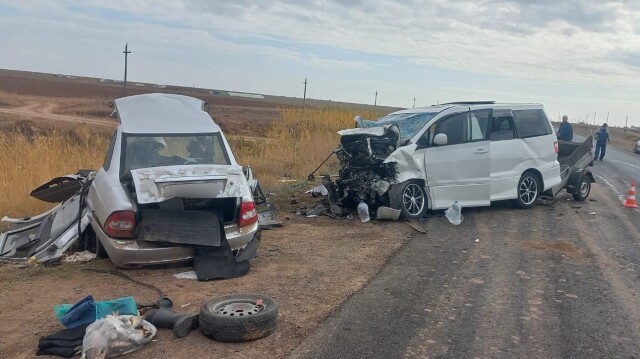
x: 628, y: 164
x: 621, y: 196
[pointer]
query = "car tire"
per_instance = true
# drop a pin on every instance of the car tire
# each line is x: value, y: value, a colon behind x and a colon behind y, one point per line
x: 410, y: 198
x: 238, y: 318
x: 582, y: 189
x: 528, y: 190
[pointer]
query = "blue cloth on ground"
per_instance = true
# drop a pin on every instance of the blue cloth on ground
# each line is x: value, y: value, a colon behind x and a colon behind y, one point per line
x: 83, y: 312
x: 88, y: 310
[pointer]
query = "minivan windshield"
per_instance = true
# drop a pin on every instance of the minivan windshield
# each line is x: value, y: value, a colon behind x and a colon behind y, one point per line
x: 142, y: 151
x: 409, y: 123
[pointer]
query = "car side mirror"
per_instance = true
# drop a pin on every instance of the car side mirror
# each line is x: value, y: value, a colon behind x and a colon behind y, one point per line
x: 440, y: 139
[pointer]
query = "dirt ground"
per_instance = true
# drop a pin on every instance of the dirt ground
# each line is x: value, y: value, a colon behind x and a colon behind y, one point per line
x: 309, y: 266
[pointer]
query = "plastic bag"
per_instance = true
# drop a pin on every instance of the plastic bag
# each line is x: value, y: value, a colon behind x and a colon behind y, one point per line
x: 454, y: 213
x: 363, y: 212
x: 116, y: 335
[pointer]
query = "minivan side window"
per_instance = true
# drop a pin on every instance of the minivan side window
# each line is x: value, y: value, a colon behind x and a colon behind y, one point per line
x: 459, y: 128
x: 502, y: 127
x: 531, y: 123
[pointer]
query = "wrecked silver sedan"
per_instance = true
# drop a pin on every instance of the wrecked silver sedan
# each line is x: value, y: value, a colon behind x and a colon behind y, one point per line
x: 169, y: 186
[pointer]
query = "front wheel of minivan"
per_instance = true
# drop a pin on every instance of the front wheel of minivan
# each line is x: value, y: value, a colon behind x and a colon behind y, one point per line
x: 528, y: 190
x: 410, y: 198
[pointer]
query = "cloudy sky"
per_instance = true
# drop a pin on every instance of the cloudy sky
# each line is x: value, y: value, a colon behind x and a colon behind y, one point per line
x: 577, y: 57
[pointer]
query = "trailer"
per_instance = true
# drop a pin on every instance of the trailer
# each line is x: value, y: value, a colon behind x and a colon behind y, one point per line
x: 576, y: 178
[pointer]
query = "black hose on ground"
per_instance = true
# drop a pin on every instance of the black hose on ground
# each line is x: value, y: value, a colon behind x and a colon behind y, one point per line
x: 163, y: 302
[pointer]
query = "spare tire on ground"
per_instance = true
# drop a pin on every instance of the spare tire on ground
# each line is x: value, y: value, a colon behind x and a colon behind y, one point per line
x: 238, y: 318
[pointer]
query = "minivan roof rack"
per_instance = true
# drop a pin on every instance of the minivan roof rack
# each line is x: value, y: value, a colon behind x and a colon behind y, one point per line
x: 469, y: 103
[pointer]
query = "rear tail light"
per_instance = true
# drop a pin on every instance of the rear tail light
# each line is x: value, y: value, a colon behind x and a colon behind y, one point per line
x: 120, y: 224
x: 555, y: 145
x: 248, y: 214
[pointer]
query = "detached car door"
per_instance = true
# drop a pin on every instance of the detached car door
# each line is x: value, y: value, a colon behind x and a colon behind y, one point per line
x: 459, y: 169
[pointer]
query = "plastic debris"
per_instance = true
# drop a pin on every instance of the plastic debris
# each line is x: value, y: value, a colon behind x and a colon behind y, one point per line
x: 592, y: 213
x: 116, y: 335
x: 363, y: 212
x: 84, y: 256
x: 186, y: 275
x: 416, y: 225
x: 388, y: 213
x: 318, y: 191
x: 477, y: 240
x: 454, y: 213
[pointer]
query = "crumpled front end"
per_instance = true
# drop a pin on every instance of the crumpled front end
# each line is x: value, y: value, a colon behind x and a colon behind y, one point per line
x: 363, y: 172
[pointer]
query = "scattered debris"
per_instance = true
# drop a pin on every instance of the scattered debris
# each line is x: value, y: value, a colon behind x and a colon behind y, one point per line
x: 592, y: 213
x: 477, y: 240
x: 84, y: 256
x: 186, y: 275
x: 116, y: 335
x: 318, y: 191
x: 388, y: 213
x: 454, y: 214
x: 576, y: 207
x: 416, y: 225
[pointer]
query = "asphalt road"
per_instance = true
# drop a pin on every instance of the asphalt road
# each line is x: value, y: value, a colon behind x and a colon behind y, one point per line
x: 555, y: 281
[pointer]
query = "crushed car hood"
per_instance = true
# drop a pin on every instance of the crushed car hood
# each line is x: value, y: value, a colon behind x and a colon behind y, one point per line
x: 158, y: 184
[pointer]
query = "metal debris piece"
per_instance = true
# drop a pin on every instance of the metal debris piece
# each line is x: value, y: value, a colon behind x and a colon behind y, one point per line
x: 416, y: 225
x: 388, y: 213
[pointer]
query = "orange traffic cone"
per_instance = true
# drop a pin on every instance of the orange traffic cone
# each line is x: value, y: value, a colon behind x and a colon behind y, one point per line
x: 631, y: 198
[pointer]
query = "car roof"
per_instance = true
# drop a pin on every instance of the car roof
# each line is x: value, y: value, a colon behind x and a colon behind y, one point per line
x: 473, y: 105
x: 163, y: 113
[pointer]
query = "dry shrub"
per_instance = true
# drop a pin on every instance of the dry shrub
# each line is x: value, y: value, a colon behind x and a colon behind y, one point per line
x: 84, y: 107
x: 9, y: 99
x: 32, y: 156
x: 297, y: 143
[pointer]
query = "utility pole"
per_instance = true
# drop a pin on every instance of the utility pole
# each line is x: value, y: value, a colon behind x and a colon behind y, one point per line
x: 626, y: 122
x: 304, y: 99
x: 126, y: 52
x: 375, y: 102
x: 558, y: 116
x: 586, y: 119
x: 414, y: 102
x: 607, y: 117
x: 594, y: 118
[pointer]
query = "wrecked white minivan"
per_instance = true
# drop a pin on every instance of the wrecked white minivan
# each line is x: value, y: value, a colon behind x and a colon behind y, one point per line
x: 169, y: 186
x: 427, y: 158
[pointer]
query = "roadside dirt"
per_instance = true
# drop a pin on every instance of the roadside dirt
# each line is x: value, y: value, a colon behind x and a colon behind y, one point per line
x: 309, y: 266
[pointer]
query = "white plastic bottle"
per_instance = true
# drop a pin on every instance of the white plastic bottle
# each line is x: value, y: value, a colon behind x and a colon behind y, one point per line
x: 454, y: 213
x: 363, y: 212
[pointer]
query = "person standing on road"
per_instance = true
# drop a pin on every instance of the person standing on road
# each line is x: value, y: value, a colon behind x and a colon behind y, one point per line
x: 565, y: 132
x: 602, y: 138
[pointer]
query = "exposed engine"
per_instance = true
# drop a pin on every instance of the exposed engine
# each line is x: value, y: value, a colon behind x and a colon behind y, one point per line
x: 363, y: 173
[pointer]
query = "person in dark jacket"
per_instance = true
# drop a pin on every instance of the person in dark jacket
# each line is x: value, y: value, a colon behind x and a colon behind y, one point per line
x: 602, y: 138
x: 565, y: 132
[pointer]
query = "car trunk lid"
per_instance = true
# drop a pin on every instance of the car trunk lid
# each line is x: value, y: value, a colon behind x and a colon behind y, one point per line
x: 158, y: 184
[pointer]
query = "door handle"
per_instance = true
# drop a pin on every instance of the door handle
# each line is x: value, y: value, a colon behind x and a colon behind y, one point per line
x: 480, y: 151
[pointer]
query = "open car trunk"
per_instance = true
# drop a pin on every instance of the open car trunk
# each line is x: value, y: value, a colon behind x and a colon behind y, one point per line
x: 185, y: 205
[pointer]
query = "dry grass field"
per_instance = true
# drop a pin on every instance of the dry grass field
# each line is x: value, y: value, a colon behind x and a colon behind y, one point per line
x: 286, y: 144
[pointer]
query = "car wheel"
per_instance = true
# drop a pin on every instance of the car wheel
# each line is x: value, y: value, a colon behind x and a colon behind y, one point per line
x: 410, y: 198
x: 582, y: 189
x: 238, y: 318
x: 528, y: 190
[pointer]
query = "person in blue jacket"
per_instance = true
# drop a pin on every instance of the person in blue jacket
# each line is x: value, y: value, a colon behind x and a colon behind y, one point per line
x: 602, y: 138
x: 565, y: 132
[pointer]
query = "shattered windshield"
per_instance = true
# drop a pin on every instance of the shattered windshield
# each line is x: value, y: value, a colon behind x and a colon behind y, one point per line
x: 143, y: 151
x: 409, y: 123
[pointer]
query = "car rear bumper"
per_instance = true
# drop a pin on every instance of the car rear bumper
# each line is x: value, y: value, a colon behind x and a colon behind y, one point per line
x: 130, y: 253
